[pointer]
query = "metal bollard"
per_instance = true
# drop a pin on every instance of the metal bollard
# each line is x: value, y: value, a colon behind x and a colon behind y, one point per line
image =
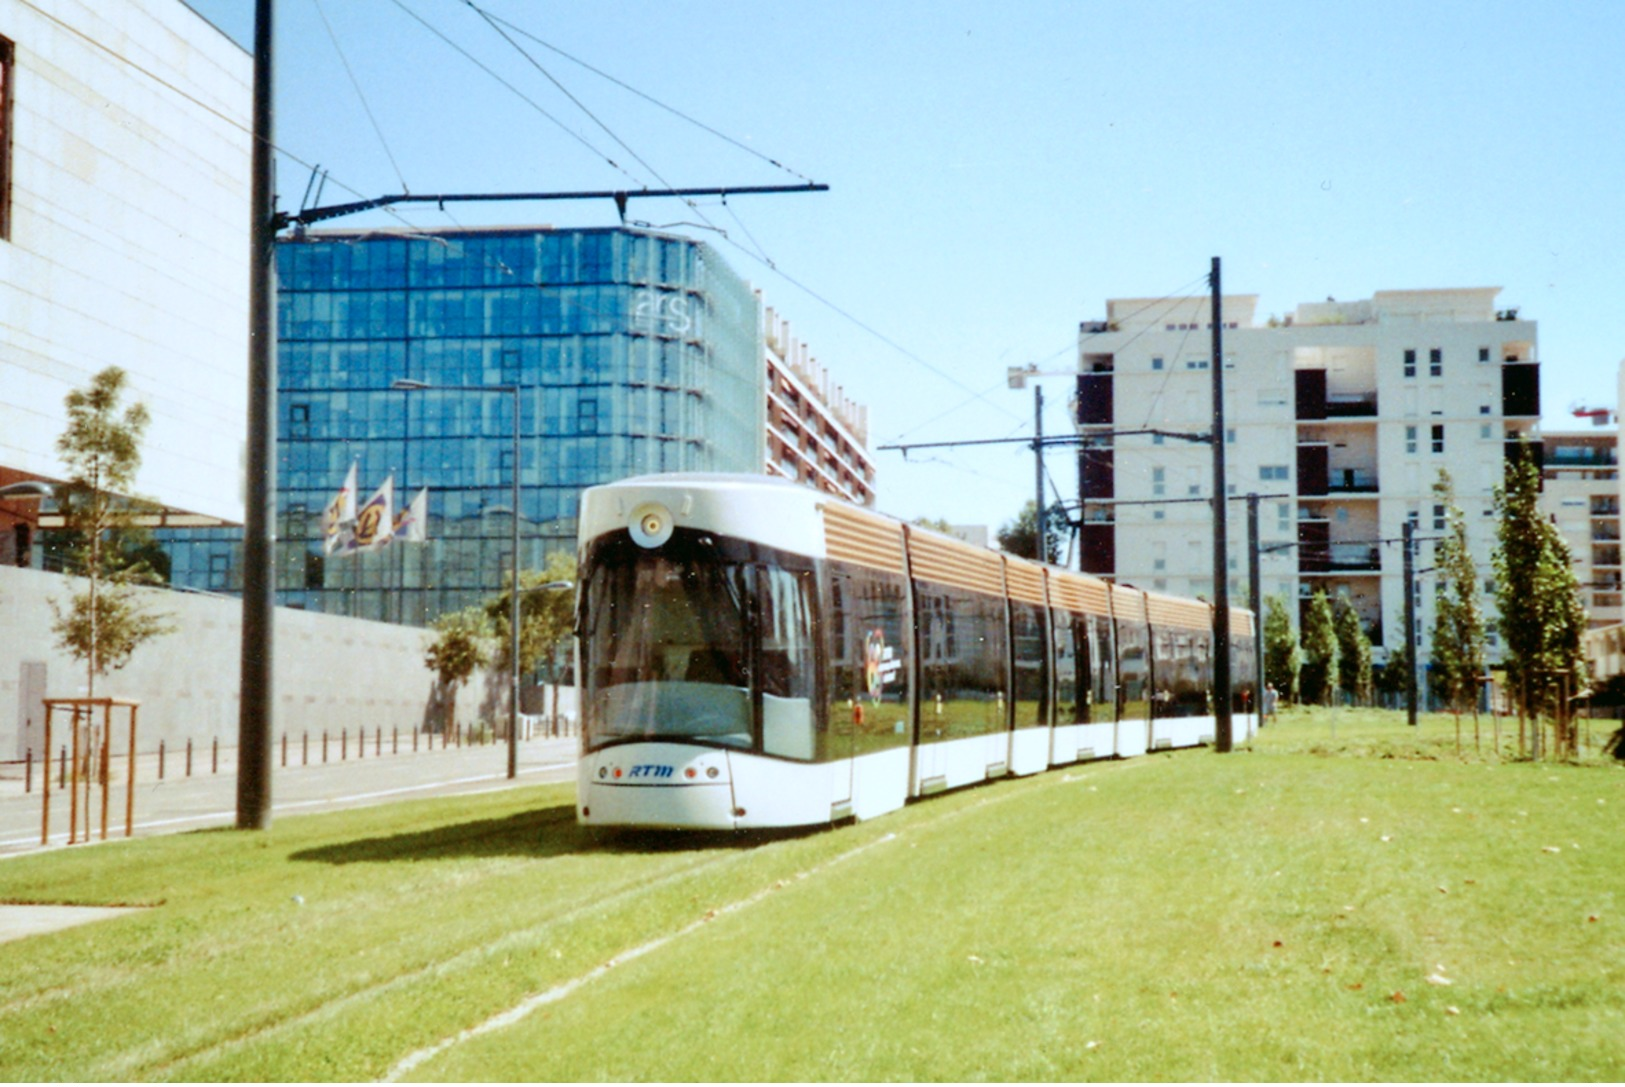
x: 344, y: 744
x: 361, y: 743
x: 62, y: 769
x: 189, y: 756
x: 160, y: 760
x: 395, y: 741
x: 28, y: 772
x: 306, y: 761
x: 324, y: 745
x: 284, y: 750
x: 378, y: 742
x: 214, y: 757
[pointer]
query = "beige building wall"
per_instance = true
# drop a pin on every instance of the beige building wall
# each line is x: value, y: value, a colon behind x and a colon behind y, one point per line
x: 329, y: 672
x: 129, y: 237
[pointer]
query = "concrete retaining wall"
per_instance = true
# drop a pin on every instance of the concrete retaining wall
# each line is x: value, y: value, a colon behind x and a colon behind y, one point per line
x: 329, y: 672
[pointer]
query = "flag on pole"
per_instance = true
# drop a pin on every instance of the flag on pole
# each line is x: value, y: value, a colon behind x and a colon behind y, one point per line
x: 339, y: 512
x: 412, y: 523
x: 375, y: 521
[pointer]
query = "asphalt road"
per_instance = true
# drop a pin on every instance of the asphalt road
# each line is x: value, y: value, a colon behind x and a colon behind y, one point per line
x: 209, y: 799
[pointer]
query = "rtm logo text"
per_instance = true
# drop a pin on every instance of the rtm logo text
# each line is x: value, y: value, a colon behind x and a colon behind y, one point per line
x: 649, y: 771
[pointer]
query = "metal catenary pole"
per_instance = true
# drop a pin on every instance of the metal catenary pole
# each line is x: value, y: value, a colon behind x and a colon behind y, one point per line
x: 254, y: 714
x: 1223, y: 735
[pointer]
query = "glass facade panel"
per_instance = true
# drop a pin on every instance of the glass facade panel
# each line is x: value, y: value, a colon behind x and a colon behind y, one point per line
x: 634, y: 352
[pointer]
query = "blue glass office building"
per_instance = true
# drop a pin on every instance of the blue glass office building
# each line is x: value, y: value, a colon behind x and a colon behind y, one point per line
x: 634, y: 351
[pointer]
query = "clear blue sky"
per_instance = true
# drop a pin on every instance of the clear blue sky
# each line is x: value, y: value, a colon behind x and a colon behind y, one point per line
x: 998, y: 171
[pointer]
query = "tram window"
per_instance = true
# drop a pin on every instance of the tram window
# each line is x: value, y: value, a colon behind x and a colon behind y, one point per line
x: 1103, y: 668
x: 1134, y: 671
x: 1032, y: 665
x: 1073, y: 667
x: 962, y: 662
x: 787, y: 663
x: 1183, y: 668
x: 868, y: 648
x: 666, y: 652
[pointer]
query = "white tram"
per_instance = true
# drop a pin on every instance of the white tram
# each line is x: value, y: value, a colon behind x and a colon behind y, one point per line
x: 757, y: 654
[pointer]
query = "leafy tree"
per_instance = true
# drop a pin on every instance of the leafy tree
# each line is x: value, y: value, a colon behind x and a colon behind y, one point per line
x: 1020, y: 537
x: 1353, y: 651
x: 101, y: 448
x: 939, y: 524
x: 1391, y: 678
x: 460, y: 646
x: 1458, y: 621
x: 1319, y: 650
x: 1541, y: 617
x: 1282, y: 656
x: 546, y: 619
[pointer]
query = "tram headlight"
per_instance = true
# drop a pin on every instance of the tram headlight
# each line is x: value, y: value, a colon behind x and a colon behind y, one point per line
x: 651, y: 524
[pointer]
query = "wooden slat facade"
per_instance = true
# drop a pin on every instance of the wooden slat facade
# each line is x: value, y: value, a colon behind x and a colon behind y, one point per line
x: 851, y: 535
x: 1173, y: 611
x: 1128, y: 605
x: 1026, y: 580
x: 952, y: 562
x: 1241, y: 623
x: 1079, y: 593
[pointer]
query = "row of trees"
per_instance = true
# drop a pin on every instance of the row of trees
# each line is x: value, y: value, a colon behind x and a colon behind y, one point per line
x: 1541, y: 618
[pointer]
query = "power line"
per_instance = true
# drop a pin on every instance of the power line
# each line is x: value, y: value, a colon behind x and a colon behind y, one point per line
x: 482, y: 66
x: 647, y: 98
x: 344, y: 60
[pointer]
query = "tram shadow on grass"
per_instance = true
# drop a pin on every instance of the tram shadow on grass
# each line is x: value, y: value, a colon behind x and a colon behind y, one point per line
x: 538, y: 834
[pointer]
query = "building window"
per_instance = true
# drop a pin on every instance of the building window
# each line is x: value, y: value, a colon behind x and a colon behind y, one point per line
x: 587, y: 416
x: 1435, y: 362
x: 1196, y: 364
x: 8, y: 54
x: 1156, y: 362
x: 1410, y: 439
x: 1438, y: 517
x: 1483, y: 354
x: 1158, y: 477
x: 1272, y: 472
x: 1438, y: 437
x: 1410, y: 362
x: 298, y: 420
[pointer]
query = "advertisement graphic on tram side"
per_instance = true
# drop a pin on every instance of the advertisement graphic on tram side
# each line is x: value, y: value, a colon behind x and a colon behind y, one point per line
x: 879, y: 666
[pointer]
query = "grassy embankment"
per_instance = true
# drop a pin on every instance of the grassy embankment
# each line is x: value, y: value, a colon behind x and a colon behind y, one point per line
x: 1369, y: 908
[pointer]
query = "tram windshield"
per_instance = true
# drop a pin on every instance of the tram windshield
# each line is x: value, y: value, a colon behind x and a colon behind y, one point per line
x: 665, y: 648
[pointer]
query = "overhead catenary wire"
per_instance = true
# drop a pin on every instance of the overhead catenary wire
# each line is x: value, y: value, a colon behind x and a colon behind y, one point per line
x: 488, y: 70
x: 646, y: 97
x: 360, y: 94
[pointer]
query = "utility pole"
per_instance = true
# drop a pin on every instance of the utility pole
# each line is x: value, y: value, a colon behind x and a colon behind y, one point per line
x: 1223, y: 739
x: 259, y: 513
x: 1409, y: 577
x: 1040, y: 520
x: 1255, y: 600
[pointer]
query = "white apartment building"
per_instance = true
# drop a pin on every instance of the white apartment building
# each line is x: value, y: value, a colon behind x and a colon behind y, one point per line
x: 124, y: 241
x: 1580, y: 491
x: 1338, y: 415
x: 815, y: 434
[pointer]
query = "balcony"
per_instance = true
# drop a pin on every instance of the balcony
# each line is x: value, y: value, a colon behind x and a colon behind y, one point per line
x: 1351, y: 481
x: 1339, y: 558
x: 1351, y: 405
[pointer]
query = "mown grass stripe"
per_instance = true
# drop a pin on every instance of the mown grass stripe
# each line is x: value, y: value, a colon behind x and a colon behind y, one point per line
x: 559, y: 992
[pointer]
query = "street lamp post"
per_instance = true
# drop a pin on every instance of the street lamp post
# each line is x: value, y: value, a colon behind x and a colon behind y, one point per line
x: 513, y: 593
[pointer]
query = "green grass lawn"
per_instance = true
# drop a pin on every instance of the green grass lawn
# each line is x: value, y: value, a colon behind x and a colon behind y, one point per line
x: 1366, y: 908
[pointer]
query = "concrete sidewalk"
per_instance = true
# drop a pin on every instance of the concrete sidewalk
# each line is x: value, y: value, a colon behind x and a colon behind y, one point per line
x: 207, y: 799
